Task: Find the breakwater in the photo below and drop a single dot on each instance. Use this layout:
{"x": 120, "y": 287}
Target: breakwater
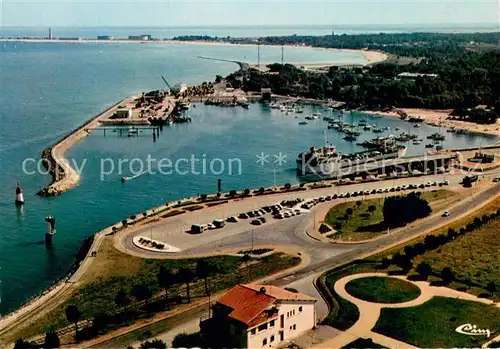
{"x": 63, "y": 175}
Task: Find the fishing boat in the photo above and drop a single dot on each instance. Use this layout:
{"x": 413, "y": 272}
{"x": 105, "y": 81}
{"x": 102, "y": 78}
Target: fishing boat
{"x": 416, "y": 125}
{"x": 436, "y": 137}
{"x": 132, "y": 133}
{"x": 302, "y": 123}
{"x": 350, "y": 138}
{"x": 429, "y": 145}
{"x": 439, "y": 147}
{"x": 417, "y": 142}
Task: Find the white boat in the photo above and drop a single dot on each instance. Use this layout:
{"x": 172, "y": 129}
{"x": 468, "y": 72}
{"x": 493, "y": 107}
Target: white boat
{"x": 328, "y": 162}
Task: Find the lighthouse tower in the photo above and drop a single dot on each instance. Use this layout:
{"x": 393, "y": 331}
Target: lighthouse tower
{"x": 19, "y": 195}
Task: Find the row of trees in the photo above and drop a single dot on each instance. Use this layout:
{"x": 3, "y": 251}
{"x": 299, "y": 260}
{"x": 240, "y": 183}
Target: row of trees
{"x": 433, "y": 242}
{"x": 166, "y": 279}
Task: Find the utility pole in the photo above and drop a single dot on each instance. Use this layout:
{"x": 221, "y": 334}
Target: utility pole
{"x": 282, "y": 54}
{"x": 258, "y": 54}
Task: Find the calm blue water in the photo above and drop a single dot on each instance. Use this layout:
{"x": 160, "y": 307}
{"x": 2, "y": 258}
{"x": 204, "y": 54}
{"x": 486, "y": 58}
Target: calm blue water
{"x": 48, "y": 89}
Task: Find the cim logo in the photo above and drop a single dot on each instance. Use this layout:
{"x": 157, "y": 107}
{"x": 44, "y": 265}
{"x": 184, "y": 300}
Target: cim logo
{"x": 472, "y": 330}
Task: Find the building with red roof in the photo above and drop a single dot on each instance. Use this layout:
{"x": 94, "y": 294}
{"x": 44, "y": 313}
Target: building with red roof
{"x": 258, "y": 316}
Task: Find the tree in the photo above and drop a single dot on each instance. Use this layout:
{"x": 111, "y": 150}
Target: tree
{"x": 372, "y": 208}
{"x": 141, "y": 293}
{"x": 100, "y": 322}
{"x": 246, "y": 192}
{"x": 122, "y": 300}
{"x": 288, "y": 186}
{"x": 349, "y": 211}
{"x": 22, "y": 344}
{"x": 424, "y": 269}
{"x": 185, "y": 277}
{"x": 447, "y": 275}
{"x": 51, "y": 340}
{"x": 165, "y": 279}
{"x": 187, "y": 340}
{"x": 153, "y": 344}
{"x": 358, "y": 204}
{"x": 491, "y": 287}
{"x": 204, "y": 270}
{"x": 261, "y": 190}
{"x": 73, "y": 315}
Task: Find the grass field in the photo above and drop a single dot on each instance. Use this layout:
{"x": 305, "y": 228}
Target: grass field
{"x": 115, "y": 270}
{"x": 380, "y": 289}
{"x": 433, "y": 324}
{"x": 363, "y": 224}
{"x": 473, "y": 257}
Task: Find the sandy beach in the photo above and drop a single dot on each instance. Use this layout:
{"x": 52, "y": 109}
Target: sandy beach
{"x": 371, "y": 57}
{"x": 439, "y": 117}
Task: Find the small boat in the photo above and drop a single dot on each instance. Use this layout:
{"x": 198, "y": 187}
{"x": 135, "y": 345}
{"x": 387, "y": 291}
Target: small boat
{"x": 397, "y": 129}
{"x": 350, "y": 138}
{"x": 132, "y": 133}
{"x": 451, "y": 130}
{"x": 124, "y": 179}
{"x": 317, "y": 114}
{"x": 416, "y": 125}
{"x": 302, "y": 123}
{"x": 429, "y": 145}
{"x": 439, "y": 147}
{"x": 367, "y": 128}
{"x": 417, "y": 142}
{"x": 299, "y": 111}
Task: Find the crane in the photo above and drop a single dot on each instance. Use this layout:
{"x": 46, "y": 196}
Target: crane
{"x": 173, "y": 91}
{"x": 166, "y": 82}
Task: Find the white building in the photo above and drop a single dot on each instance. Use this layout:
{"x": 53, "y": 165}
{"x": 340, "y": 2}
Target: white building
{"x": 259, "y": 316}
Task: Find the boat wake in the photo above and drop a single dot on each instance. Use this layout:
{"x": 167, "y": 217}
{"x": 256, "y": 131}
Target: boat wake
{"x": 125, "y": 178}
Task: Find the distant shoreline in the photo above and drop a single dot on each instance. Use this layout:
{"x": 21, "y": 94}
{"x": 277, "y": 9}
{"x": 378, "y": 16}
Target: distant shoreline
{"x": 371, "y": 57}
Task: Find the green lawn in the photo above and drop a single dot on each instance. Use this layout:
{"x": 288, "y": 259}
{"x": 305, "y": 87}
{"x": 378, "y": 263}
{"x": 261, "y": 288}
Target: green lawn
{"x": 381, "y": 289}
{"x": 343, "y": 314}
{"x": 363, "y": 224}
{"x": 433, "y": 323}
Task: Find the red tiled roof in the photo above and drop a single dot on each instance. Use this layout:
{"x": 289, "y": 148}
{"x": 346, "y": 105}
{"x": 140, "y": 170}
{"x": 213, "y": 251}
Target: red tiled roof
{"x": 249, "y": 304}
{"x": 246, "y": 303}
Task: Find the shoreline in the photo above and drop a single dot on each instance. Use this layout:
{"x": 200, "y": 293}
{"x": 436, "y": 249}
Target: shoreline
{"x": 371, "y": 57}
{"x": 438, "y": 117}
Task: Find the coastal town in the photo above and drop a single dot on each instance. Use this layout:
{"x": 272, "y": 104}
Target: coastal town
{"x": 385, "y": 237}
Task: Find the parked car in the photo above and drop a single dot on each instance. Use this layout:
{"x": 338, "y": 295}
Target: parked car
{"x": 256, "y": 222}
{"x": 262, "y": 219}
{"x": 243, "y": 215}
{"x": 446, "y": 214}
{"x": 232, "y": 219}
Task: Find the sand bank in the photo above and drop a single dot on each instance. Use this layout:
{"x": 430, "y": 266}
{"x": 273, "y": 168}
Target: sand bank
{"x": 439, "y": 117}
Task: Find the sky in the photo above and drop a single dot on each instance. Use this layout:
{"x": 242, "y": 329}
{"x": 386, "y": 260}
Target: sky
{"x": 166, "y": 13}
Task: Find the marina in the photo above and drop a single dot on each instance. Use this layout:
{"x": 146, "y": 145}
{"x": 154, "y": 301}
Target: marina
{"x": 224, "y": 133}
